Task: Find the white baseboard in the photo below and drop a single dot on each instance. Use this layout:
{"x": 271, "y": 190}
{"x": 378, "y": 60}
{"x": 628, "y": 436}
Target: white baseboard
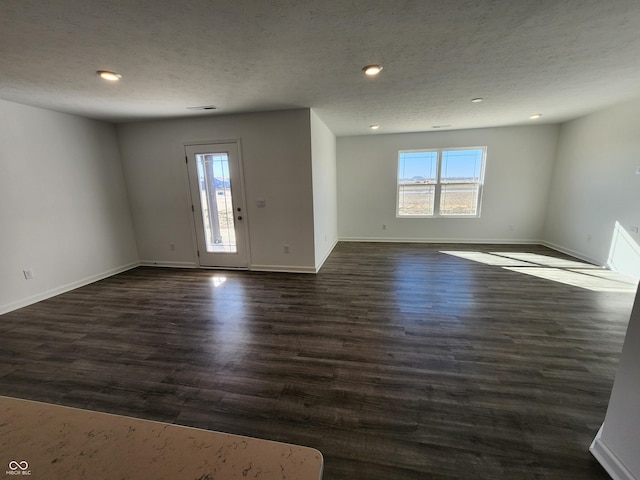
{"x": 605, "y": 457}
{"x": 324, "y": 259}
{"x": 65, "y": 288}
{"x": 153, "y": 263}
{"x": 442, "y": 240}
{"x": 256, "y": 268}
{"x": 282, "y": 269}
{"x": 573, "y": 253}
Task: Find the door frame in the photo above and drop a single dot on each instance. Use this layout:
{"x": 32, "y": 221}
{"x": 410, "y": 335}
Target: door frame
{"x": 243, "y": 195}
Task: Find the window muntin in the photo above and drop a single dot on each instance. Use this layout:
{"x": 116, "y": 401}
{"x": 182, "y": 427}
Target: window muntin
{"x": 440, "y": 182}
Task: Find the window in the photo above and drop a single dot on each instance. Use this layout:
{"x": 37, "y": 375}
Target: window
{"x": 440, "y": 182}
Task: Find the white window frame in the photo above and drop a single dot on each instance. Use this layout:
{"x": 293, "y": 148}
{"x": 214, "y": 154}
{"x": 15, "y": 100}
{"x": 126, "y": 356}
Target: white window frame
{"x": 438, "y": 184}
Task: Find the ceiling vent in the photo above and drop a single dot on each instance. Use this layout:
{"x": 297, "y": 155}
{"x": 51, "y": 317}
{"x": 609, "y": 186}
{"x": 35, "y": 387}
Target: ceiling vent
{"x": 203, "y": 107}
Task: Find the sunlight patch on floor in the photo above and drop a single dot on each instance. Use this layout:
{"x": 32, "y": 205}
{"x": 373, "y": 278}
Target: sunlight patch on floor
{"x": 218, "y": 280}
{"x": 547, "y": 261}
{"x": 582, "y": 279}
{"x": 561, "y": 270}
{"x": 489, "y": 259}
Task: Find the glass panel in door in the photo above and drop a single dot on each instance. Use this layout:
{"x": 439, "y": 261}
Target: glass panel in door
{"x": 216, "y": 202}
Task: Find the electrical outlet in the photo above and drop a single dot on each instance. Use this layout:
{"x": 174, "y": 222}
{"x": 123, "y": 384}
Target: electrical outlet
{"x": 589, "y": 237}
{"x": 285, "y": 248}
{"x": 634, "y": 230}
{"x": 28, "y": 274}
{"x": 511, "y": 227}
{"x": 172, "y": 246}
{"x": 384, "y": 227}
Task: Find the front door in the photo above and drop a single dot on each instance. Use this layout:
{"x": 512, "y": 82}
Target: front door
{"x": 217, "y": 204}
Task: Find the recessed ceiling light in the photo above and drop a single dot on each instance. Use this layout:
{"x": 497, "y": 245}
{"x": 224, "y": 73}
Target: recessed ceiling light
{"x": 110, "y": 76}
{"x": 535, "y": 116}
{"x": 372, "y": 70}
{"x": 375, "y": 126}
{"x": 477, "y": 100}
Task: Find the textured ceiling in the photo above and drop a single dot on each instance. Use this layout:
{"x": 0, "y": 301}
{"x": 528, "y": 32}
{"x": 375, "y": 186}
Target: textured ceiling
{"x": 561, "y": 58}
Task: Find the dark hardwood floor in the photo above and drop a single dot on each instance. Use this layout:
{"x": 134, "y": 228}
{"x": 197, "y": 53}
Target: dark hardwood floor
{"x": 396, "y": 361}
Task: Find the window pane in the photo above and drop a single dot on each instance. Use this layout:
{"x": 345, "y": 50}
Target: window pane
{"x": 459, "y": 199}
{"x": 461, "y": 166}
{"x": 416, "y": 199}
{"x": 417, "y": 167}
{"x": 417, "y": 175}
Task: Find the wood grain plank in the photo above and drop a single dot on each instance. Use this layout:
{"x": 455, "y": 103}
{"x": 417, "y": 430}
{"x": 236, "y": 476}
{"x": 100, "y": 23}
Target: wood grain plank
{"x": 397, "y": 361}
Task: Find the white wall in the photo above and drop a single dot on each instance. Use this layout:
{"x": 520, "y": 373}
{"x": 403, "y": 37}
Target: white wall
{"x": 325, "y": 195}
{"x": 595, "y": 185}
{"x": 518, "y": 172}
{"x": 64, "y": 211}
{"x": 616, "y": 446}
{"x": 276, "y": 158}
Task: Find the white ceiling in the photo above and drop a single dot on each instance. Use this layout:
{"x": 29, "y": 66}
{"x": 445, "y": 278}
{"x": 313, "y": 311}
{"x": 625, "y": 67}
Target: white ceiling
{"x": 561, "y": 58}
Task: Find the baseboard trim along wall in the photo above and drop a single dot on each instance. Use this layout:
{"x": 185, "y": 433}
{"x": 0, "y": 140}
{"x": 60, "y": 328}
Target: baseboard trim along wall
{"x": 282, "y": 269}
{"x": 65, "y": 288}
{"x": 573, "y": 253}
{"x": 605, "y": 457}
{"x": 256, "y": 268}
{"x": 442, "y": 240}
{"x": 324, "y": 259}
{"x": 160, "y": 263}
